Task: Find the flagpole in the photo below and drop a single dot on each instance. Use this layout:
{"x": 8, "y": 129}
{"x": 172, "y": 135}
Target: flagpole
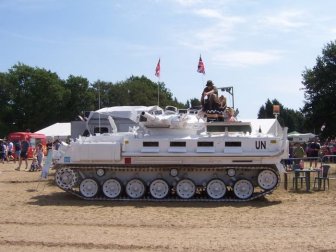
{"x": 158, "y": 92}
{"x": 99, "y": 107}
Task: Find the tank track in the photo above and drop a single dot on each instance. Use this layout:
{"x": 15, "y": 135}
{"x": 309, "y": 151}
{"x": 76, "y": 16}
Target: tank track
{"x": 174, "y": 198}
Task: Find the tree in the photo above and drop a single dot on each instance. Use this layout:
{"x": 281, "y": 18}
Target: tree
{"x": 195, "y": 103}
{"x": 36, "y": 97}
{"x": 320, "y": 92}
{"x": 33, "y": 98}
{"x": 266, "y": 111}
{"x": 78, "y": 97}
{"x": 134, "y": 91}
{"x": 290, "y": 118}
{"x": 7, "y": 116}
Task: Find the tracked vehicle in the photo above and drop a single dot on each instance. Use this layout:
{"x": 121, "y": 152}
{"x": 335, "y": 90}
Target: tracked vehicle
{"x": 173, "y": 155}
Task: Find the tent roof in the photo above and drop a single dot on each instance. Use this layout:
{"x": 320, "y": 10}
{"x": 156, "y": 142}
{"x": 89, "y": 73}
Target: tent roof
{"x": 293, "y": 132}
{"x": 266, "y": 125}
{"x": 297, "y": 134}
{"x": 57, "y": 129}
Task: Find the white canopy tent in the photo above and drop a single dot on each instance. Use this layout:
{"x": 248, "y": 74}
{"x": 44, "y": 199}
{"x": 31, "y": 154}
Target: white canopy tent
{"x": 55, "y": 131}
{"x": 268, "y": 126}
{"x": 300, "y": 137}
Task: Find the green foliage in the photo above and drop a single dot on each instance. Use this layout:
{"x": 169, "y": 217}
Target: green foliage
{"x": 320, "y": 93}
{"x": 78, "y": 97}
{"x": 195, "y": 103}
{"x": 6, "y": 104}
{"x": 34, "y": 98}
{"x": 135, "y": 91}
{"x": 320, "y": 97}
{"x": 266, "y": 111}
{"x": 288, "y": 117}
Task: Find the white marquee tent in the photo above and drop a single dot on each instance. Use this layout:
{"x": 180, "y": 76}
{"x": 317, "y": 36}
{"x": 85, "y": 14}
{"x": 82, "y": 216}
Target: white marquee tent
{"x": 300, "y": 137}
{"x": 59, "y": 131}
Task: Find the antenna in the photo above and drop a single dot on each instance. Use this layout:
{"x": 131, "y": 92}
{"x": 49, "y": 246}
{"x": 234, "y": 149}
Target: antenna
{"x": 230, "y": 91}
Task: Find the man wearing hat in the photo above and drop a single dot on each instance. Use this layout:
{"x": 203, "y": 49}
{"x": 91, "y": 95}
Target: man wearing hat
{"x": 209, "y": 99}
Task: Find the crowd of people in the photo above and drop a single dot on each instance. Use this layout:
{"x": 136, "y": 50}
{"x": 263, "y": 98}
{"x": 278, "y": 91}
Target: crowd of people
{"x": 313, "y": 152}
{"x": 8, "y": 151}
{"x": 18, "y": 152}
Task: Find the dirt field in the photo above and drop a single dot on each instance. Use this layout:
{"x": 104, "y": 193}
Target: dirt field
{"x": 38, "y": 216}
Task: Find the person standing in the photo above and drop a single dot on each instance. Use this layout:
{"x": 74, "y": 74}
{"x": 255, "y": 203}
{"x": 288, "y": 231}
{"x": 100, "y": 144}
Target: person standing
{"x": 24, "y": 154}
{"x": 298, "y": 154}
{"x": 3, "y": 151}
{"x": 39, "y": 155}
{"x": 57, "y": 144}
{"x": 17, "y": 147}
{"x": 333, "y": 151}
{"x": 314, "y": 152}
{"x": 48, "y": 161}
{"x": 10, "y": 148}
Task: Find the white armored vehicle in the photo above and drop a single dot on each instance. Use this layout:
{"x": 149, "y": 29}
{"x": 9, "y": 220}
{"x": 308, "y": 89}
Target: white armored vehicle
{"x": 153, "y": 154}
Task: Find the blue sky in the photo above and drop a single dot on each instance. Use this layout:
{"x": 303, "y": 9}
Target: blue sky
{"x": 259, "y": 47}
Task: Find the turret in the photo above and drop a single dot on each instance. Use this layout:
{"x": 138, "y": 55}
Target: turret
{"x": 171, "y": 123}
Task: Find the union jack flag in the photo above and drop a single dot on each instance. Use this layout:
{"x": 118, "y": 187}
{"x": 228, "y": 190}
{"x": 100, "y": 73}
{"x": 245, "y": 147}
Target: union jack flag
{"x": 157, "y": 69}
{"x": 200, "y": 67}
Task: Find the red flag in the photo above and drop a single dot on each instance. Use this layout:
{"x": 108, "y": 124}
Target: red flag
{"x": 157, "y": 69}
{"x": 200, "y": 67}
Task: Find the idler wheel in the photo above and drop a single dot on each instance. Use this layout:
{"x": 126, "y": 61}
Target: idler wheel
{"x": 112, "y": 188}
{"x": 185, "y": 188}
{"x": 135, "y": 189}
{"x": 267, "y": 179}
{"x": 89, "y": 188}
{"x": 65, "y": 178}
{"x": 216, "y": 189}
{"x": 243, "y": 189}
{"x": 159, "y": 189}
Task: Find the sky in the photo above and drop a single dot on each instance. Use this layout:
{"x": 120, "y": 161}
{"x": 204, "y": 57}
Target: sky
{"x": 259, "y": 47}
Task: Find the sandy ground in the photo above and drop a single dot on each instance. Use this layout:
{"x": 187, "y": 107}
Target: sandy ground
{"x": 38, "y": 216}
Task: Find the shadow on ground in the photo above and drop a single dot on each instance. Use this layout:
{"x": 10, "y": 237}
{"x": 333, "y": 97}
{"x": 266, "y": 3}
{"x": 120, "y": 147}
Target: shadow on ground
{"x": 65, "y": 199}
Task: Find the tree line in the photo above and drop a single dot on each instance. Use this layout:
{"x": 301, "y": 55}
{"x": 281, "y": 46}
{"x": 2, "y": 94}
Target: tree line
{"x": 33, "y": 98}
{"x": 318, "y": 114}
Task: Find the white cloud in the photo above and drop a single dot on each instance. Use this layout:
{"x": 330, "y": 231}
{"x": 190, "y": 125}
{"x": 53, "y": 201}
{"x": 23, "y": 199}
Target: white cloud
{"x": 333, "y": 31}
{"x": 246, "y": 58}
{"x": 227, "y": 20}
{"x": 205, "y": 39}
{"x": 188, "y": 3}
{"x": 212, "y": 34}
{"x": 209, "y": 13}
{"x": 285, "y": 20}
